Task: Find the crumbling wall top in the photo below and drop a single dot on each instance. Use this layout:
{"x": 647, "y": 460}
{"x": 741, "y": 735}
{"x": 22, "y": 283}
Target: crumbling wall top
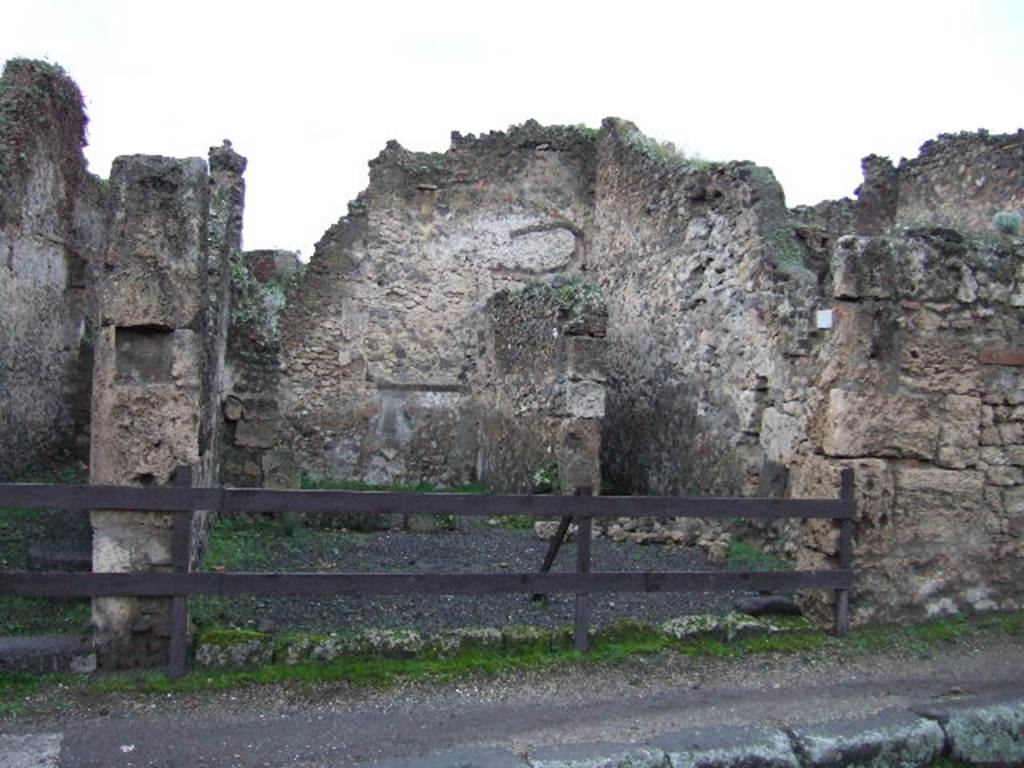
{"x": 40, "y": 107}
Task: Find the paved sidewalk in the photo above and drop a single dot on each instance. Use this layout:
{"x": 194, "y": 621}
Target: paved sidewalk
{"x": 644, "y": 710}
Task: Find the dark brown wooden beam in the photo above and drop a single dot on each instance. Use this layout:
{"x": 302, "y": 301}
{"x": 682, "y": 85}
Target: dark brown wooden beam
{"x": 244, "y": 501}
{"x": 148, "y": 584}
{"x": 847, "y": 491}
{"x": 181, "y": 556}
{"x": 584, "y": 604}
{"x": 109, "y": 497}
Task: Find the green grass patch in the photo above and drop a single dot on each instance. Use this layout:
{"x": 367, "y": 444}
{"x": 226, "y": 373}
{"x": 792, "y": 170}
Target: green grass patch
{"x": 745, "y": 556}
{"x": 19, "y": 530}
{"x": 16, "y": 687}
{"x": 612, "y": 645}
{"x": 513, "y": 522}
{"x": 42, "y": 616}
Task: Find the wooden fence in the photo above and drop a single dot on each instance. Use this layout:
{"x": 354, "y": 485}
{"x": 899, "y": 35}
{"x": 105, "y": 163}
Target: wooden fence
{"x": 183, "y": 500}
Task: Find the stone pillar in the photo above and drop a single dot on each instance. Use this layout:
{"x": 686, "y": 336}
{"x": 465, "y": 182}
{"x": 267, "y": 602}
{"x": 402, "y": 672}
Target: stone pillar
{"x": 150, "y": 374}
{"x": 227, "y": 201}
{"x": 877, "y": 197}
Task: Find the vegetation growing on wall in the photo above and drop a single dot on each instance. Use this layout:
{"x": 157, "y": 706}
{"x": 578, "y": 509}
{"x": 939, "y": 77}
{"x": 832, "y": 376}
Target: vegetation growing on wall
{"x": 258, "y": 304}
{"x": 579, "y": 298}
{"x": 663, "y": 153}
{"x": 38, "y": 99}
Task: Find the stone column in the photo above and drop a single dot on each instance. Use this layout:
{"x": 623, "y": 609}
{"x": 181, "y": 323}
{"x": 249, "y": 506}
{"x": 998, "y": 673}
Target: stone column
{"x": 227, "y": 201}
{"x": 149, "y": 379}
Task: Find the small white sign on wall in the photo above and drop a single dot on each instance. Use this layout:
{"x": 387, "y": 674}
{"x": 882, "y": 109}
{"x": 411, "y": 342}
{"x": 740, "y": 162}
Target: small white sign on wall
{"x": 824, "y": 319}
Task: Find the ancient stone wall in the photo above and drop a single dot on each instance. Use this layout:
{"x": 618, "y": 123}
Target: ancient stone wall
{"x": 162, "y": 316}
{"x": 50, "y": 232}
{"x": 542, "y": 393}
{"x": 963, "y": 180}
{"x": 252, "y": 415}
{"x": 734, "y": 346}
{"x": 381, "y": 339}
{"x": 710, "y": 307}
{"x": 906, "y": 391}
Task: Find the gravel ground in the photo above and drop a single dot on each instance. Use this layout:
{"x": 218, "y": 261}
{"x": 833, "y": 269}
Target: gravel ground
{"x": 475, "y": 546}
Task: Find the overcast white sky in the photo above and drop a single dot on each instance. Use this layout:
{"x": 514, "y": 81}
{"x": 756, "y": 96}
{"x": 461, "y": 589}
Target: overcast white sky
{"x": 310, "y": 91}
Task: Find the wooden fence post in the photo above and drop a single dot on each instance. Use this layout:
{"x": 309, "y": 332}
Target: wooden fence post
{"x": 845, "y": 552}
{"x": 584, "y": 529}
{"x": 181, "y": 555}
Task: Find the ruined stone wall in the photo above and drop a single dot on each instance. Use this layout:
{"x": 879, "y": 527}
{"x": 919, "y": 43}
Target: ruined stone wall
{"x": 381, "y": 339}
{"x": 959, "y": 180}
{"x": 50, "y": 232}
{"x": 251, "y": 409}
{"x": 162, "y": 317}
{"x": 224, "y": 246}
{"x": 542, "y": 395}
{"x": 904, "y": 391}
{"x": 709, "y": 309}
{"x": 395, "y": 364}
{"x": 963, "y": 180}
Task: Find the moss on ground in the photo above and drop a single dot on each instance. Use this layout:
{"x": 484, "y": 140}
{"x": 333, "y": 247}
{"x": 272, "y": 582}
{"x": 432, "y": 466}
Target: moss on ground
{"x": 228, "y": 637}
{"x": 746, "y": 556}
{"x": 536, "y": 649}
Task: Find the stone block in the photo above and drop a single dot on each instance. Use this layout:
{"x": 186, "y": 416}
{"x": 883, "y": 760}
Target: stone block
{"x": 887, "y": 739}
{"x": 468, "y": 757}
{"x": 280, "y": 469}
{"x": 249, "y": 649}
{"x": 599, "y": 755}
{"x": 155, "y": 262}
{"x": 257, "y": 433}
{"x": 937, "y": 511}
{"x": 988, "y": 734}
{"x": 587, "y": 358}
{"x": 579, "y": 454}
{"x": 585, "y": 399}
{"x": 940, "y": 363}
{"x": 45, "y": 654}
{"x": 863, "y": 268}
{"x": 874, "y": 424}
{"x": 728, "y": 747}
{"x": 959, "y": 432}
{"x": 233, "y": 408}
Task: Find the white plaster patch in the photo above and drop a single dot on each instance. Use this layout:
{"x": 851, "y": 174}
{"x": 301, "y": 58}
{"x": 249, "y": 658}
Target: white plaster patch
{"x": 943, "y": 607}
{"x": 514, "y": 241}
{"x": 31, "y": 750}
{"x": 442, "y": 401}
{"x": 980, "y": 598}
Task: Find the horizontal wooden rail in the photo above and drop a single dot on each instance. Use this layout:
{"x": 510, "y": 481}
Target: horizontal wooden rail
{"x": 148, "y": 584}
{"x": 245, "y": 500}
{"x": 183, "y": 501}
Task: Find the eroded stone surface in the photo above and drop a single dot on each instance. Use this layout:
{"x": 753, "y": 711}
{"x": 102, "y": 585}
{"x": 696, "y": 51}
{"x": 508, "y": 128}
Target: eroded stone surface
{"x": 602, "y": 755}
{"x": 887, "y": 740}
{"x": 728, "y": 747}
{"x": 991, "y": 735}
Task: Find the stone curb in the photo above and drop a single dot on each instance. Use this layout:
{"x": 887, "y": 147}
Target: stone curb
{"x": 978, "y": 733}
{"x": 252, "y": 648}
{"x": 43, "y": 654}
